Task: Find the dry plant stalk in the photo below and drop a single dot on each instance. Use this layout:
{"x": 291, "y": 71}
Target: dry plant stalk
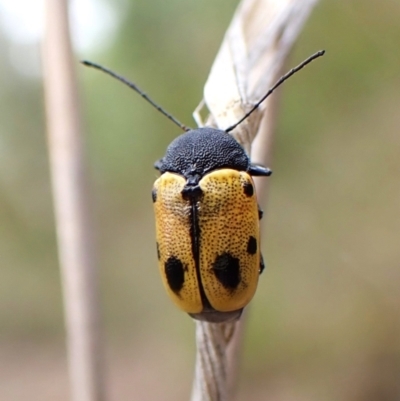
{"x": 250, "y": 60}
{"x": 72, "y": 207}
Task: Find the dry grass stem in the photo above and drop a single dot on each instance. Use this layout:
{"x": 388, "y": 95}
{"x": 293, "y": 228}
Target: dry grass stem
{"x": 72, "y": 208}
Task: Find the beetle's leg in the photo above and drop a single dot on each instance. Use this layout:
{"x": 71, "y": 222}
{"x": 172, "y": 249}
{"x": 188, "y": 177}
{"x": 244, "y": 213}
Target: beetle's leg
{"x": 257, "y": 170}
{"x": 262, "y": 265}
{"x": 260, "y": 213}
{"x": 158, "y": 165}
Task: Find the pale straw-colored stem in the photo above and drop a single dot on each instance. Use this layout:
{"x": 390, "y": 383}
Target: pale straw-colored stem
{"x": 72, "y": 208}
{"x": 219, "y": 345}
{"x": 250, "y": 60}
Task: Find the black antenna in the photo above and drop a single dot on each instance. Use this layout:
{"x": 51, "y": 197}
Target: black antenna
{"x": 278, "y": 83}
{"x": 135, "y": 88}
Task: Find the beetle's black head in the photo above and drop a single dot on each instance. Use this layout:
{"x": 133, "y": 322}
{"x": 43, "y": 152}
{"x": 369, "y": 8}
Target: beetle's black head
{"x": 202, "y": 150}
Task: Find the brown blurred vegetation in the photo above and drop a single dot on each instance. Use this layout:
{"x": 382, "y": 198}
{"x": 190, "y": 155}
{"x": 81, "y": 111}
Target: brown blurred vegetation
{"x": 325, "y": 323}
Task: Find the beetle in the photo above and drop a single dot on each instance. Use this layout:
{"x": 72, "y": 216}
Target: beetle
{"x": 207, "y": 224}
{"x": 207, "y": 217}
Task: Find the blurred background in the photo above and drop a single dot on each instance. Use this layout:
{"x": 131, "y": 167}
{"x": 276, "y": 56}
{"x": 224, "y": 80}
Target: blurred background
{"x": 325, "y": 322}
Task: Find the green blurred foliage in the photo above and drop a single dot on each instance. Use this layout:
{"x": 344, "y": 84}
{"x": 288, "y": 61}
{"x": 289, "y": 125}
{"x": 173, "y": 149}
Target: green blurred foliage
{"x": 325, "y": 321}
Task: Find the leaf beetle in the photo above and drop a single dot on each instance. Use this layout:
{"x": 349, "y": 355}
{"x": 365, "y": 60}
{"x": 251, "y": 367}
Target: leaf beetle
{"x": 207, "y": 224}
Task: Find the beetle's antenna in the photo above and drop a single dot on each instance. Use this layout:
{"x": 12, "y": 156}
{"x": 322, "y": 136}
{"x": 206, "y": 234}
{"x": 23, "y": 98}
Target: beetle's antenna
{"x": 138, "y": 90}
{"x": 278, "y": 83}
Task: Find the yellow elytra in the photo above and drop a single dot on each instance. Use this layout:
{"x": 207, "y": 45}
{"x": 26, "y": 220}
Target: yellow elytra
{"x": 207, "y": 224}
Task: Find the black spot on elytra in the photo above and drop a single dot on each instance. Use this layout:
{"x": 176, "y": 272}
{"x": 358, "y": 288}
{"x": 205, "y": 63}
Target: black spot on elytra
{"x": 248, "y": 188}
{"x": 158, "y": 251}
{"x": 175, "y": 273}
{"x": 227, "y": 270}
{"x": 251, "y": 245}
{"x": 154, "y": 195}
